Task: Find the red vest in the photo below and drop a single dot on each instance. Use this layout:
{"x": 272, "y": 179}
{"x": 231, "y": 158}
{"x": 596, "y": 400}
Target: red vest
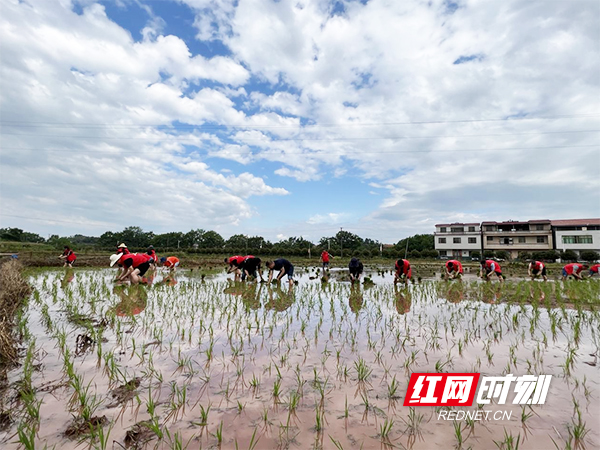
{"x": 573, "y": 267}
{"x": 457, "y": 266}
{"x": 488, "y": 266}
{"x": 537, "y": 266}
{"x": 137, "y": 258}
{"x": 405, "y": 267}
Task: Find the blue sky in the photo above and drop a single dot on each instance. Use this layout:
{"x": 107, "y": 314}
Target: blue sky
{"x": 296, "y": 118}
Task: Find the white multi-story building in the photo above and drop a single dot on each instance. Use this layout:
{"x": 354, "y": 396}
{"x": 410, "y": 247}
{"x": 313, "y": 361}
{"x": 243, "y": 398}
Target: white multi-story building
{"x": 577, "y": 235}
{"x": 517, "y": 237}
{"x": 457, "y": 240}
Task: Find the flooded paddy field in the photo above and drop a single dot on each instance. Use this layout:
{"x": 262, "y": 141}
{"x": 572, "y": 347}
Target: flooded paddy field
{"x": 195, "y": 362}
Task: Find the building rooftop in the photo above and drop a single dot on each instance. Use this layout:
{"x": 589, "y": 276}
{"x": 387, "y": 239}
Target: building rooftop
{"x": 516, "y": 222}
{"x": 575, "y": 222}
{"x": 457, "y": 223}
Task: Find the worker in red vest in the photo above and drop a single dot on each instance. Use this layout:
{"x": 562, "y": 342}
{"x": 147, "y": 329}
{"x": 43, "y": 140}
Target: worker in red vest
{"x": 537, "y": 268}
{"x": 68, "y": 256}
{"x": 235, "y": 263}
{"x": 491, "y": 268}
{"x": 573, "y": 269}
{"x": 135, "y": 266}
{"x": 325, "y": 256}
{"x": 454, "y": 269}
{"x": 403, "y": 271}
{"x": 594, "y": 269}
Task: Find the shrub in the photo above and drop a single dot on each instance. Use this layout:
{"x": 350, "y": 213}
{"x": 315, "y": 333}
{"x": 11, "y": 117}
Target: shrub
{"x": 590, "y": 255}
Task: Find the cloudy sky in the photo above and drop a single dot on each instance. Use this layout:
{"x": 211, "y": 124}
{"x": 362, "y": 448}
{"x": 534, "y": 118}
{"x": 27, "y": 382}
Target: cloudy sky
{"x": 288, "y": 118}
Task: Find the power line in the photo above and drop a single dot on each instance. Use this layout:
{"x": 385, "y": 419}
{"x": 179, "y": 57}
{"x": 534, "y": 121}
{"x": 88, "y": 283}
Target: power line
{"x": 44, "y": 220}
{"x": 16, "y": 123}
{"x": 310, "y": 152}
{"x": 195, "y": 138}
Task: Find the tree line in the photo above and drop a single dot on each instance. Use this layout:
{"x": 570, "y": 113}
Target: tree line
{"x": 343, "y": 243}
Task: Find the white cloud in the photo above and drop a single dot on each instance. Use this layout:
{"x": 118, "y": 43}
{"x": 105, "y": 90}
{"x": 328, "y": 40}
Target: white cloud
{"x": 341, "y": 94}
{"x": 330, "y": 218}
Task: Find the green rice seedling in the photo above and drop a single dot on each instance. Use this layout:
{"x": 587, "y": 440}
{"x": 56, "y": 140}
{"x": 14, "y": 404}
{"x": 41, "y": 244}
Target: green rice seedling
{"x": 277, "y": 388}
{"x": 392, "y": 388}
{"x": 525, "y": 416}
{"x": 254, "y": 382}
{"x": 26, "y": 433}
{"x": 319, "y": 419}
{"x": 336, "y": 443}
{"x": 385, "y": 429}
{"x": 103, "y": 435}
{"x": 204, "y": 415}
{"x": 253, "y": 441}
{"x": 458, "y": 434}
{"x": 363, "y": 372}
{"x": 346, "y": 410}
{"x": 510, "y": 442}
{"x": 219, "y": 434}
{"x": 578, "y": 431}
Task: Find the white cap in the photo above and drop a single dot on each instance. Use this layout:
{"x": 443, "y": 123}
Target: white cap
{"x": 114, "y": 258}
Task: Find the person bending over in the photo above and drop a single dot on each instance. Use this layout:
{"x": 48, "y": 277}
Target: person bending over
{"x": 356, "y": 269}
{"x": 536, "y": 269}
{"x": 454, "y": 269}
{"x": 285, "y": 268}
{"x": 403, "y": 271}
{"x": 251, "y": 267}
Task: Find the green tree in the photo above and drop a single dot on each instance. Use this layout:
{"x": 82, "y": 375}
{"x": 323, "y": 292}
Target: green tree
{"x": 109, "y": 239}
{"x": 418, "y": 242}
{"x": 237, "y": 241}
{"x": 135, "y": 237}
{"x": 58, "y": 242}
{"x": 568, "y": 255}
{"x": 590, "y": 256}
{"x": 11, "y": 234}
{"x": 173, "y": 239}
{"x": 212, "y": 239}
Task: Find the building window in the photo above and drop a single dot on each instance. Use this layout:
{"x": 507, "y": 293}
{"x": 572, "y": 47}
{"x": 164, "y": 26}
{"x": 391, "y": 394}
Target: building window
{"x": 489, "y": 238}
{"x": 441, "y": 240}
{"x": 442, "y": 229}
{"x": 456, "y": 240}
{"x": 521, "y": 239}
{"x": 443, "y": 253}
{"x": 472, "y": 240}
{"x": 489, "y": 228}
{"x": 577, "y": 239}
{"x": 539, "y": 227}
{"x": 471, "y": 229}
{"x": 457, "y": 229}
{"x": 541, "y": 239}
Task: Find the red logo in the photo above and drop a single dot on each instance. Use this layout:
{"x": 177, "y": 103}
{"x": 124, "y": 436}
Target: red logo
{"x": 441, "y": 389}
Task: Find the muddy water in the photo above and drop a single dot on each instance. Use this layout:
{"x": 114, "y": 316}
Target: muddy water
{"x": 187, "y": 345}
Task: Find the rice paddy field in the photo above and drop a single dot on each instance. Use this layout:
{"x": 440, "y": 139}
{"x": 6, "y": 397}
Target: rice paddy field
{"x": 206, "y": 362}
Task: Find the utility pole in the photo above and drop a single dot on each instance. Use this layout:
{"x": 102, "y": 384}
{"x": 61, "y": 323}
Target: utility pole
{"x": 341, "y": 243}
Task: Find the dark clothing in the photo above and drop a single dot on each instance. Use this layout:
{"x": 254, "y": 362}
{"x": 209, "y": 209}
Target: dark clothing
{"x": 355, "y": 266}
{"x": 251, "y": 265}
{"x": 282, "y": 263}
{"x": 143, "y": 268}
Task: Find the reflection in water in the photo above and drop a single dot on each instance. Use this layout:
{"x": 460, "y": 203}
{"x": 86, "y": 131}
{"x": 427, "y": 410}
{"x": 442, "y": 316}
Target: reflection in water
{"x": 455, "y": 292}
{"x": 280, "y": 300}
{"x": 133, "y": 300}
{"x": 403, "y": 299}
{"x": 491, "y": 293}
{"x": 251, "y": 296}
{"x": 169, "y": 280}
{"x": 69, "y": 276}
{"x": 234, "y": 287}
{"x": 356, "y": 299}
